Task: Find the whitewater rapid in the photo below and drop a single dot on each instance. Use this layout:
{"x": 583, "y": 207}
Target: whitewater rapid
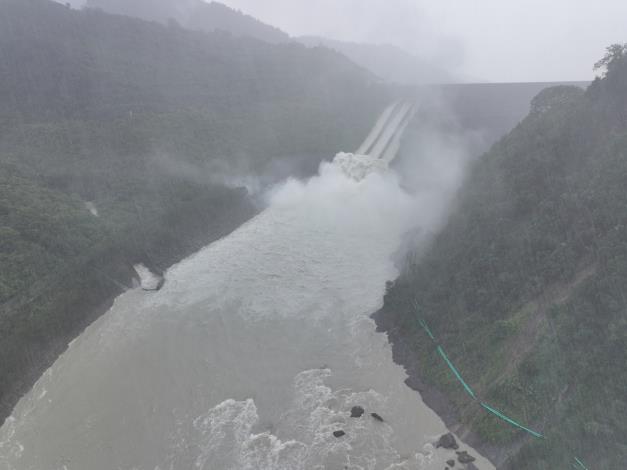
{"x": 251, "y": 354}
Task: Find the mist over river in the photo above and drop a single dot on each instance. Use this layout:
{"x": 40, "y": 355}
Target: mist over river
{"x": 250, "y": 356}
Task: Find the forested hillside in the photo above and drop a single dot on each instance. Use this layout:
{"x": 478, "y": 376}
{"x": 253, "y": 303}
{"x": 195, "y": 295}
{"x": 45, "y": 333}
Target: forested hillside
{"x": 217, "y": 16}
{"x": 525, "y": 286}
{"x": 491, "y": 109}
{"x": 153, "y": 128}
{"x": 386, "y": 61}
{"x": 195, "y": 14}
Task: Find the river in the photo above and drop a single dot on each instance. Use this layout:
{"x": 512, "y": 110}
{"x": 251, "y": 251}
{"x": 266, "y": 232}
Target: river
{"x": 250, "y": 356}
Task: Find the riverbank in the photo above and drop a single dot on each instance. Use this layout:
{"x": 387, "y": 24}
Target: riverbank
{"x": 55, "y": 310}
{"x": 252, "y": 355}
{"x": 434, "y": 397}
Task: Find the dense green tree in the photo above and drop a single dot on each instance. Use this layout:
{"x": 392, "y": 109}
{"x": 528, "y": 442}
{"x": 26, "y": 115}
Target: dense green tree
{"x": 148, "y": 123}
{"x": 613, "y": 56}
{"x": 525, "y": 284}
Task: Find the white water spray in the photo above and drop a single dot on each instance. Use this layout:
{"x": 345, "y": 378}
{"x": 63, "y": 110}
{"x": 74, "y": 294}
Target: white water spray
{"x": 252, "y": 353}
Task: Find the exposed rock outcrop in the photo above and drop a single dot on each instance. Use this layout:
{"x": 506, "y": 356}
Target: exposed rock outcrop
{"x": 357, "y": 412}
{"x": 447, "y": 441}
{"x": 376, "y": 417}
{"x": 465, "y": 457}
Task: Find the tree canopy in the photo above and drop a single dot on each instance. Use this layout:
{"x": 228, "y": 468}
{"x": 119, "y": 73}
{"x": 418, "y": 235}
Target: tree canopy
{"x": 613, "y": 55}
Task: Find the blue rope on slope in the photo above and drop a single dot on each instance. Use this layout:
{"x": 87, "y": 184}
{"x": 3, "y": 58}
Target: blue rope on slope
{"x": 456, "y": 372}
{"x": 496, "y": 412}
{"x": 581, "y": 465}
{"x": 578, "y": 463}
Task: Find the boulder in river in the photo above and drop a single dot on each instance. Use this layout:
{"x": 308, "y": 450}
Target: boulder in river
{"x": 339, "y": 433}
{"x": 464, "y": 457}
{"x": 357, "y": 412}
{"x": 447, "y": 441}
{"x": 450, "y": 463}
{"x": 148, "y": 280}
{"x": 377, "y": 417}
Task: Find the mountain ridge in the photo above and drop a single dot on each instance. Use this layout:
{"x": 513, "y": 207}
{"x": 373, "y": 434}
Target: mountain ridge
{"x": 195, "y": 15}
{"x": 387, "y": 61}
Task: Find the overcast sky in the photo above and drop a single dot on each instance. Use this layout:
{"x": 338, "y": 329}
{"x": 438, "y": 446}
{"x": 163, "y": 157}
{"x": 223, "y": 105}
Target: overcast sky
{"x": 487, "y": 40}
{"x": 494, "y": 40}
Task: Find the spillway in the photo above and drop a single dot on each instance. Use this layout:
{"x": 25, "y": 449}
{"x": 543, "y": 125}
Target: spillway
{"x": 251, "y": 355}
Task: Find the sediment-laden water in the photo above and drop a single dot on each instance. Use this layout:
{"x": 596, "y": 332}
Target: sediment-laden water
{"x": 249, "y": 357}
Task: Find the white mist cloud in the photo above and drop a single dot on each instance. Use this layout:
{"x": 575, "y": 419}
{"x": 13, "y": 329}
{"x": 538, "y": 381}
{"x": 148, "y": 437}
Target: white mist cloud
{"x": 380, "y": 203}
{"x": 495, "y": 40}
{"x": 485, "y": 40}
{"x": 404, "y": 23}
{"x": 375, "y": 207}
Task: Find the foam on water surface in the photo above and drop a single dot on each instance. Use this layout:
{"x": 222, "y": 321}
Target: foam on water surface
{"x": 252, "y": 353}
{"x": 358, "y": 166}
